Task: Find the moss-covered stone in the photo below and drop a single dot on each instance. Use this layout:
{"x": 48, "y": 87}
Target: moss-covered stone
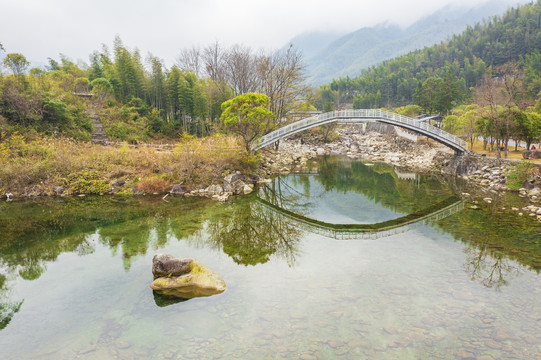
{"x": 200, "y": 281}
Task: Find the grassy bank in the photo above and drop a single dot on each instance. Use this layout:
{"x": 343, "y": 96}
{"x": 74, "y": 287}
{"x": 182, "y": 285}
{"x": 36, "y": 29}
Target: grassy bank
{"x": 514, "y": 155}
{"x": 45, "y": 166}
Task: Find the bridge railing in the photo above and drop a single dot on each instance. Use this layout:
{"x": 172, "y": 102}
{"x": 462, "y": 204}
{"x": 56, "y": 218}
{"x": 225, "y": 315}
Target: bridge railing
{"x": 363, "y": 114}
{"x": 423, "y": 125}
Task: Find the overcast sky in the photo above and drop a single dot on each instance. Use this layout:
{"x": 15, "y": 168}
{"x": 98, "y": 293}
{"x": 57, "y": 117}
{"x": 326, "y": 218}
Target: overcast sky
{"x": 44, "y": 28}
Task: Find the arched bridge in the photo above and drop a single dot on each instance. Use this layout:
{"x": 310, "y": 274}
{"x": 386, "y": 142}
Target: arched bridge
{"x": 434, "y": 213}
{"x": 365, "y": 115}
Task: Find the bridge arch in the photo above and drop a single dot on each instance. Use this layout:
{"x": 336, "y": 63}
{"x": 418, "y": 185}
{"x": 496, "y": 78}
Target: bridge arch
{"x": 361, "y": 116}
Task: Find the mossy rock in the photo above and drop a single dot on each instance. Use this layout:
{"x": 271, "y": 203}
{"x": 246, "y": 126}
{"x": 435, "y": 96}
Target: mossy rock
{"x": 198, "y": 282}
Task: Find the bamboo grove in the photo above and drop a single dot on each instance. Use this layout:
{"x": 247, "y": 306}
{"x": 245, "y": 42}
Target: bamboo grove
{"x": 139, "y": 98}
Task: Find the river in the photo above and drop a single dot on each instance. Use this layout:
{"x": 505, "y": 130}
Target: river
{"x": 356, "y": 260}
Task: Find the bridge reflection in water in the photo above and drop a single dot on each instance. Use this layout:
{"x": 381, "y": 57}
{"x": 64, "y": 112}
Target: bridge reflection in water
{"x": 437, "y": 212}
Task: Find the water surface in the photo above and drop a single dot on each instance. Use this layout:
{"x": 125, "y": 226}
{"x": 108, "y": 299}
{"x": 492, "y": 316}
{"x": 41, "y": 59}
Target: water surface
{"x": 74, "y": 274}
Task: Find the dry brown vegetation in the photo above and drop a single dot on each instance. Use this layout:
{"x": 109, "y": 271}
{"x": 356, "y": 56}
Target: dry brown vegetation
{"x": 36, "y": 166}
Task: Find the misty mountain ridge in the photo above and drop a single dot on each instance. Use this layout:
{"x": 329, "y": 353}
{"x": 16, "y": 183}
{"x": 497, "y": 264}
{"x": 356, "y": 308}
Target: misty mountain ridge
{"x": 331, "y": 55}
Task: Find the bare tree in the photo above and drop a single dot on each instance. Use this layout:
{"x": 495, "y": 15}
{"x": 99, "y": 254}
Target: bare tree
{"x": 281, "y": 77}
{"x": 190, "y": 60}
{"x": 489, "y": 96}
{"x": 213, "y": 60}
{"x": 240, "y": 70}
{"x": 504, "y": 98}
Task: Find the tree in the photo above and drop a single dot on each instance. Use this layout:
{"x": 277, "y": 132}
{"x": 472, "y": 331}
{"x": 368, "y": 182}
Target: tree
{"x": 102, "y": 88}
{"x": 281, "y": 77}
{"x": 529, "y": 127}
{"x": 17, "y": 63}
{"x": 189, "y": 60}
{"x": 489, "y": 95}
{"x": 241, "y": 70}
{"x": 449, "y": 92}
{"x": 426, "y": 94}
{"x": 247, "y": 115}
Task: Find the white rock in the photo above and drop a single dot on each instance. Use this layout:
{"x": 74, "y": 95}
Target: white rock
{"x": 534, "y": 192}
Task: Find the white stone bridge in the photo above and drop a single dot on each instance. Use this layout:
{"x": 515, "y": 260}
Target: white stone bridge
{"x": 361, "y": 116}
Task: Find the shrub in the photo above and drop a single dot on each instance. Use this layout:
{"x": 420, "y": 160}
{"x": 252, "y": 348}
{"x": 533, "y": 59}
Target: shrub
{"x": 250, "y": 161}
{"x": 154, "y": 184}
{"x": 87, "y": 182}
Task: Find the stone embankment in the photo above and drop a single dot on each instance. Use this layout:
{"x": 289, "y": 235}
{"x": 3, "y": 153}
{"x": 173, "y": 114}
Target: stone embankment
{"x": 234, "y": 184}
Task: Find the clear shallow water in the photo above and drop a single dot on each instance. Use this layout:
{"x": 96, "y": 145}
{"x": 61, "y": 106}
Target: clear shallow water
{"x": 464, "y": 287}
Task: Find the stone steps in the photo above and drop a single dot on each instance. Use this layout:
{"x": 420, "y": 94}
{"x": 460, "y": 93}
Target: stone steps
{"x": 98, "y": 132}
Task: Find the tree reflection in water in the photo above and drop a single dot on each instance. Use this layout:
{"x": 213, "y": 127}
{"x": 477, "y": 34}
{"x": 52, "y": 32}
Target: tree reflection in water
{"x": 250, "y": 233}
{"x": 493, "y": 270}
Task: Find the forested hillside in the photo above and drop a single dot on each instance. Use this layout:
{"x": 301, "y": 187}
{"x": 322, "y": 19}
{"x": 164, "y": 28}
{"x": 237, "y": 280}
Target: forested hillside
{"x": 441, "y": 76}
{"x": 349, "y": 54}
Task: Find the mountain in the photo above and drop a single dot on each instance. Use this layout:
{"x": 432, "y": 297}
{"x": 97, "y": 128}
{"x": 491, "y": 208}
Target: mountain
{"x": 312, "y": 43}
{"x": 502, "y": 46}
{"x": 330, "y": 56}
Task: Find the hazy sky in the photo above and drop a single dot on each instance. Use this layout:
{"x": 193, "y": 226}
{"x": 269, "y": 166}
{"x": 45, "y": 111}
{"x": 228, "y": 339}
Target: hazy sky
{"x": 44, "y": 28}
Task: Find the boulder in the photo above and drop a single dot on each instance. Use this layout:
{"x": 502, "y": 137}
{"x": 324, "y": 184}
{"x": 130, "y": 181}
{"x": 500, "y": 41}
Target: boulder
{"x": 168, "y": 265}
{"x": 233, "y": 183}
{"x": 232, "y": 178}
{"x": 236, "y": 187}
{"x": 119, "y": 183}
{"x": 215, "y": 190}
{"x": 178, "y": 189}
{"x": 532, "y": 154}
{"x": 534, "y": 192}
{"x": 198, "y": 281}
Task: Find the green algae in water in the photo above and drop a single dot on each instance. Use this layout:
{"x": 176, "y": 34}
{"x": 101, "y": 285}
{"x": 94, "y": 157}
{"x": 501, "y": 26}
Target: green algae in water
{"x": 464, "y": 286}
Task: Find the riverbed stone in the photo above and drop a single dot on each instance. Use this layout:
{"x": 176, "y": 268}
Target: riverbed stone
{"x": 198, "y": 281}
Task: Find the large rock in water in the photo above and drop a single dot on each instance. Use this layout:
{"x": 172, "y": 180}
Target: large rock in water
{"x": 188, "y": 278}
